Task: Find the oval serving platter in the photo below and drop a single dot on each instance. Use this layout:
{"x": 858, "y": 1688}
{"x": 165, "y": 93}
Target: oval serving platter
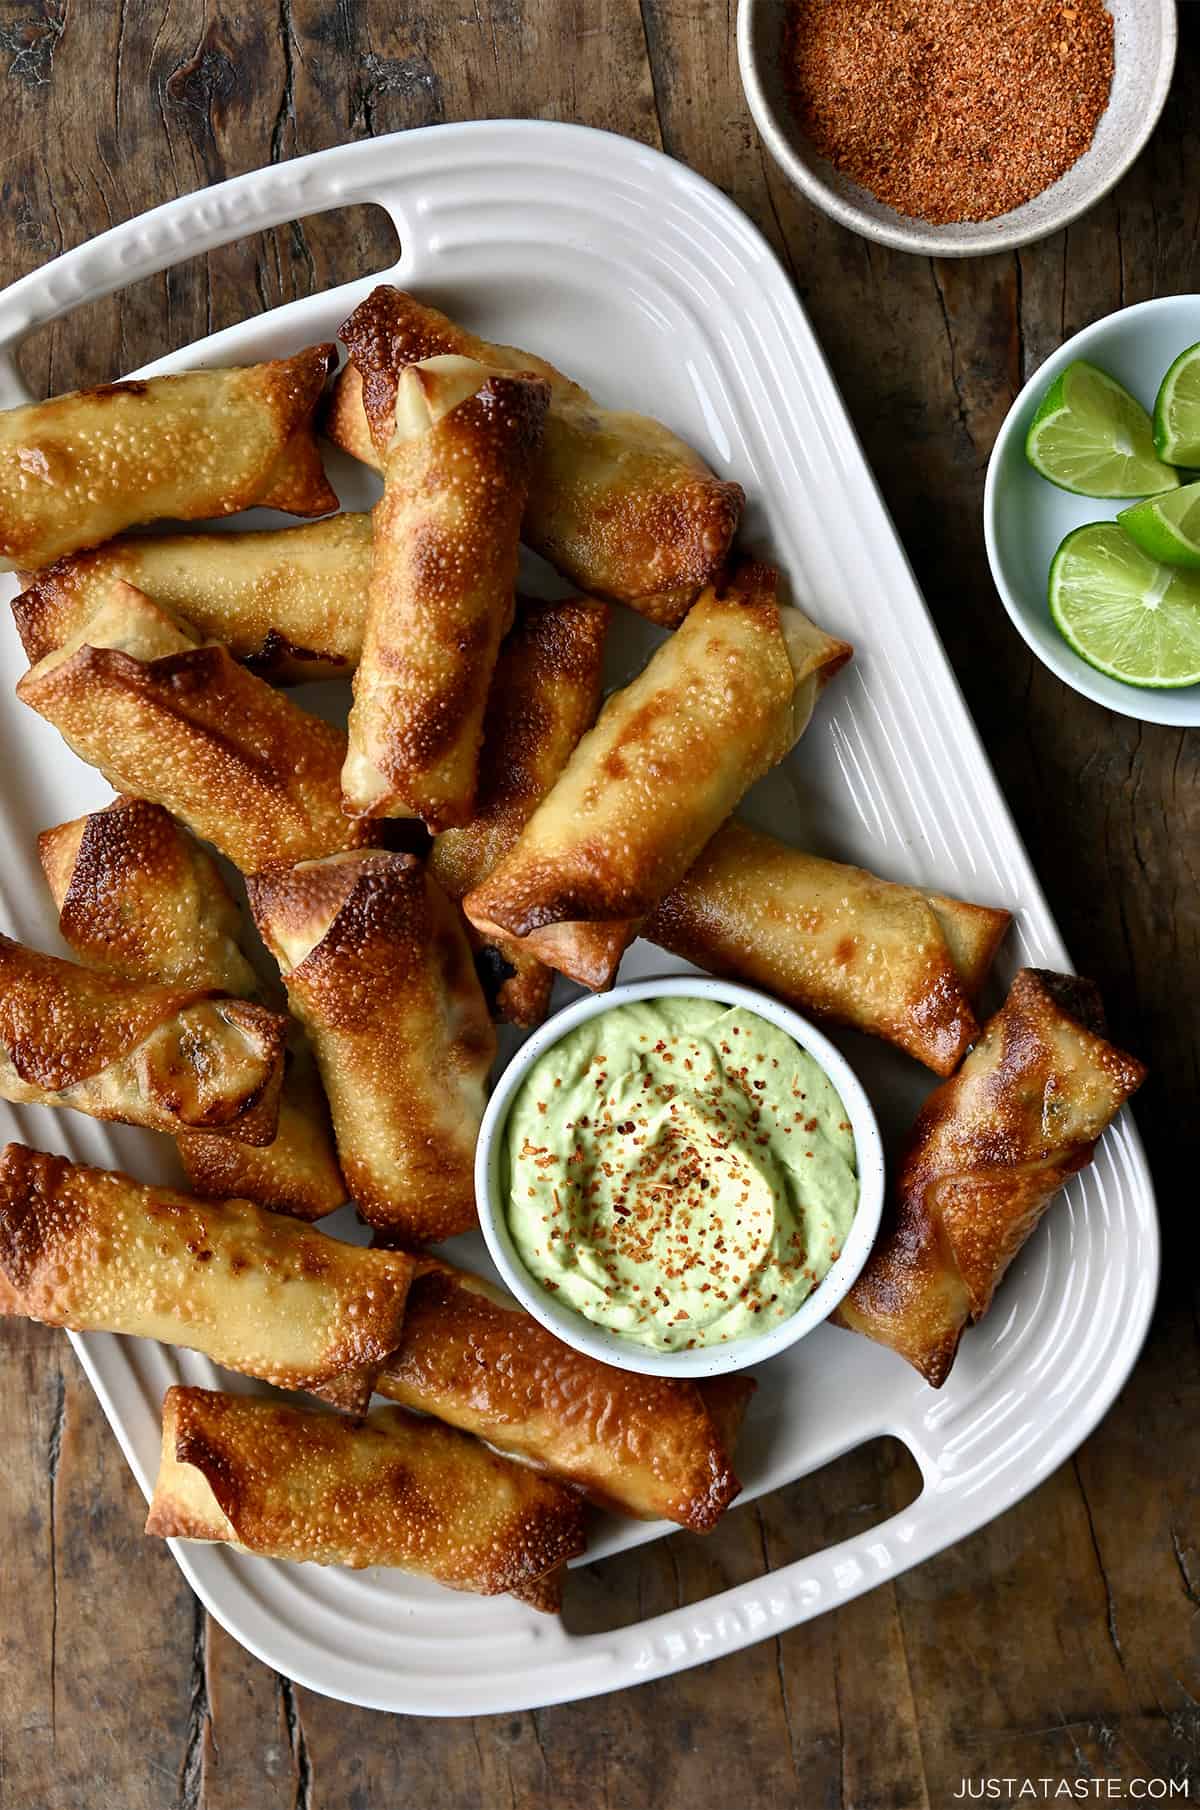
{"x": 646, "y": 284}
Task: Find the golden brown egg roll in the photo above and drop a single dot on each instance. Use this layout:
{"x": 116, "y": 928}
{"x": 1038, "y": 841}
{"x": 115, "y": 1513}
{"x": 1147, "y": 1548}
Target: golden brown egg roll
{"x": 165, "y": 1057}
{"x": 443, "y": 572}
{"x": 95, "y": 1251}
{"x": 288, "y": 602}
{"x": 184, "y": 725}
{"x": 138, "y": 896}
{"x": 545, "y": 693}
{"x": 989, "y": 1151}
{"x": 618, "y": 503}
{"x": 718, "y": 704}
{"x": 78, "y": 469}
{"x": 644, "y": 1445}
{"x": 831, "y": 940}
{"x": 293, "y": 1483}
{"x": 379, "y": 973}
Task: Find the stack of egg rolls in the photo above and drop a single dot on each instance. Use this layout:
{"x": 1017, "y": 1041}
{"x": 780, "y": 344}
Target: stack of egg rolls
{"x": 558, "y": 838}
{"x": 138, "y": 897}
{"x": 95, "y": 1251}
{"x": 719, "y": 703}
{"x": 166, "y": 717}
{"x": 617, "y": 502}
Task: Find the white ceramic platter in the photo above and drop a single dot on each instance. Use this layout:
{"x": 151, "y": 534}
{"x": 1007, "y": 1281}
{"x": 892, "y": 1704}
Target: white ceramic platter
{"x": 650, "y": 287}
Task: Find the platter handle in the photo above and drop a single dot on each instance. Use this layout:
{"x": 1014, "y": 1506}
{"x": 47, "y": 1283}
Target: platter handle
{"x": 192, "y": 225}
{"x": 768, "y": 1605}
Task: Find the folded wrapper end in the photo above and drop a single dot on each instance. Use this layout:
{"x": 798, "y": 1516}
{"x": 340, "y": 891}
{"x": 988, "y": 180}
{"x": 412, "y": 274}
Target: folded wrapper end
{"x": 169, "y": 1058}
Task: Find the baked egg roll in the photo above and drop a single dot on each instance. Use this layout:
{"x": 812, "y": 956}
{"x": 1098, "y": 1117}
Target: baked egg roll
{"x": 989, "y": 1151}
{"x": 720, "y": 702}
{"x": 288, "y": 602}
{"x": 95, "y": 1251}
{"x": 443, "y": 572}
{"x": 294, "y": 1483}
{"x": 379, "y": 973}
{"x": 169, "y": 1058}
{"x": 167, "y": 718}
{"x": 831, "y": 940}
{"x": 644, "y": 1445}
{"x": 618, "y": 503}
{"x": 79, "y": 468}
{"x": 138, "y": 896}
{"x": 545, "y": 693}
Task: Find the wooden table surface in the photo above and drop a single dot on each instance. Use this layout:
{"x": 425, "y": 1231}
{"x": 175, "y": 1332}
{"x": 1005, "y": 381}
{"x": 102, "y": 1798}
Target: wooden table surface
{"x": 1062, "y": 1640}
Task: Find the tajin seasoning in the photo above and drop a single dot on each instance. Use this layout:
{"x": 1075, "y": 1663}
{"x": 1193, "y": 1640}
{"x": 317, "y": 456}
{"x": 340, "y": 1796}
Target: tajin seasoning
{"x": 949, "y": 109}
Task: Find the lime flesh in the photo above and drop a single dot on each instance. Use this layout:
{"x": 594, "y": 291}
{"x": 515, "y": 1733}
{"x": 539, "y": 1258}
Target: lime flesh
{"x": 1090, "y": 436}
{"x": 1167, "y": 527}
{"x": 1126, "y": 614}
{"x": 1177, "y": 411}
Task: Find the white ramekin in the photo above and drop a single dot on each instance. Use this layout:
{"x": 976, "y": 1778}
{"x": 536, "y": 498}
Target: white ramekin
{"x": 612, "y": 1347}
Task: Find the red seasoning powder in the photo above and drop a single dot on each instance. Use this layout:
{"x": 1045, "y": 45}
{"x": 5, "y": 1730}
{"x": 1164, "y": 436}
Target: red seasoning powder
{"x": 949, "y": 109}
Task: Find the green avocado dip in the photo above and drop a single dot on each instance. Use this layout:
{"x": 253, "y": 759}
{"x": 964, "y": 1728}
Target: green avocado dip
{"x": 679, "y": 1171}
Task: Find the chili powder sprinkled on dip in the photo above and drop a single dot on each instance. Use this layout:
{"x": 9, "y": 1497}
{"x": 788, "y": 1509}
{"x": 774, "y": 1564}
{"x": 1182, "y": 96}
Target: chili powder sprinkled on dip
{"x": 949, "y": 110}
{"x": 679, "y": 1171}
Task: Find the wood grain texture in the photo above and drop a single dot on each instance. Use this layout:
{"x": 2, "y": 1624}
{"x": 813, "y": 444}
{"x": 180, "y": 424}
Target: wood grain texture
{"x": 1062, "y": 1639}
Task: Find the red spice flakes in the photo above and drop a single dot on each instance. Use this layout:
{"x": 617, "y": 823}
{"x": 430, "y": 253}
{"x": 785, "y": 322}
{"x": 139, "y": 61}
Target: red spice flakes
{"x": 949, "y": 109}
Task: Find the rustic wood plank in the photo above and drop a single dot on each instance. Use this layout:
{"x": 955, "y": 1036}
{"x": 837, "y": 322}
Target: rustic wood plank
{"x": 250, "y": 1747}
{"x": 96, "y": 1676}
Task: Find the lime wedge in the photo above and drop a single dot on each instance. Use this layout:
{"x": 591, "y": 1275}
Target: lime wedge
{"x": 1177, "y": 411}
{"x": 1125, "y": 614}
{"x": 1090, "y": 436}
{"x": 1167, "y": 527}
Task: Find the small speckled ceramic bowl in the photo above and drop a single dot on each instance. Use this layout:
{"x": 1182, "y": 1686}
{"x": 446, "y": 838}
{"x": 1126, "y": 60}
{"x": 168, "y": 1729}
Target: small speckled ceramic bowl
{"x": 612, "y": 1347}
{"x": 1144, "y": 33}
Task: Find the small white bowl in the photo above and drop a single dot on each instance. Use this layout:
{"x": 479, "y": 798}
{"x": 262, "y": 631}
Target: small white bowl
{"x": 1025, "y": 517}
{"x": 611, "y": 1347}
{"x": 1144, "y": 43}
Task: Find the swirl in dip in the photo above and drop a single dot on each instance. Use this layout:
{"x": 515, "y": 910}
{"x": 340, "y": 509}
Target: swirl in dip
{"x": 679, "y": 1171}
